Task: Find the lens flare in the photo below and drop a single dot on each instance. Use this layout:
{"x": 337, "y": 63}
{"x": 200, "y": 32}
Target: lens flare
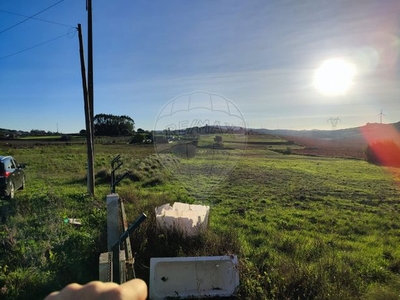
{"x": 384, "y": 143}
{"x": 334, "y": 77}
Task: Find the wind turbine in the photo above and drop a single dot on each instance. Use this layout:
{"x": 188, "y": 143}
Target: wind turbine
{"x": 380, "y": 116}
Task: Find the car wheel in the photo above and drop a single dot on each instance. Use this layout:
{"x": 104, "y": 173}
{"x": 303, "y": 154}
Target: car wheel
{"x": 12, "y": 191}
{"x": 23, "y": 183}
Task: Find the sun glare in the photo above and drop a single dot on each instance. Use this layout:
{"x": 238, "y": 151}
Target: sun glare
{"x": 334, "y": 77}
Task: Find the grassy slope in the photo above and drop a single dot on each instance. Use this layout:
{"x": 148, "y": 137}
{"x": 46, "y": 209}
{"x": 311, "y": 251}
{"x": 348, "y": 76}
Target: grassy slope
{"x": 324, "y": 228}
{"x": 303, "y": 227}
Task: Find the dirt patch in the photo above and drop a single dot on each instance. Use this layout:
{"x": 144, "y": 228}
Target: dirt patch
{"x": 346, "y": 148}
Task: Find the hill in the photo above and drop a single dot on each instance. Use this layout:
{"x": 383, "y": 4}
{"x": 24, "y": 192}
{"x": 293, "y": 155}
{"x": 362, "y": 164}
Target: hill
{"x": 370, "y": 131}
{"x": 349, "y": 143}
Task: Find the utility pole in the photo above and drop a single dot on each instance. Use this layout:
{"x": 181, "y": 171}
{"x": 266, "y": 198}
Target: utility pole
{"x": 88, "y": 119}
{"x": 90, "y": 59}
{"x": 90, "y": 82}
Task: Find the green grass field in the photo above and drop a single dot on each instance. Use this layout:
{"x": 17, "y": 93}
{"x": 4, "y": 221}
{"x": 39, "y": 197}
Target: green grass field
{"x": 303, "y": 227}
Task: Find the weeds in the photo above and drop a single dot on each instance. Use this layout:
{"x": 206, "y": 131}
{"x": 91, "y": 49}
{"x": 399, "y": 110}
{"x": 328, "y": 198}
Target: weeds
{"x": 303, "y": 228}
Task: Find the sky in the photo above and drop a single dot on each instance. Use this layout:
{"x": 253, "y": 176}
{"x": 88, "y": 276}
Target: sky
{"x": 260, "y": 56}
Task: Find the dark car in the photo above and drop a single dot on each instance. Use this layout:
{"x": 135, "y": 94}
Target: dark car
{"x": 12, "y": 176}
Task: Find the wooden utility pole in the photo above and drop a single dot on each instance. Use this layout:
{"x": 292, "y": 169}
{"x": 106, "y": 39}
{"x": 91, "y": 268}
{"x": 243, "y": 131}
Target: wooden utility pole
{"x": 88, "y": 119}
{"x": 90, "y": 59}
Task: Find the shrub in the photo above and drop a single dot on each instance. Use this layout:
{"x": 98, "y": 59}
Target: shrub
{"x": 288, "y": 151}
{"x": 137, "y": 139}
{"x": 103, "y": 176}
{"x": 65, "y": 138}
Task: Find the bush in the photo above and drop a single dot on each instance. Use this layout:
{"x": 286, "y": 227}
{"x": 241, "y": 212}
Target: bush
{"x": 137, "y": 139}
{"x": 103, "y": 176}
{"x": 65, "y": 138}
{"x": 383, "y": 153}
{"x": 287, "y": 151}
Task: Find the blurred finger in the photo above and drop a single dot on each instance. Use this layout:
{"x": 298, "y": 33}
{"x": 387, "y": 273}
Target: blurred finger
{"x": 135, "y": 289}
{"x": 66, "y": 293}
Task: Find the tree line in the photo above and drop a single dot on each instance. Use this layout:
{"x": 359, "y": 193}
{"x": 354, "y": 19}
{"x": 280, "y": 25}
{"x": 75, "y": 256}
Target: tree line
{"x": 111, "y": 125}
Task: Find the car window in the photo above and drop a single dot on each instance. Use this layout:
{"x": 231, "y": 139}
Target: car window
{"x": 7, "y": 164}
{"x": 13, "y": 164}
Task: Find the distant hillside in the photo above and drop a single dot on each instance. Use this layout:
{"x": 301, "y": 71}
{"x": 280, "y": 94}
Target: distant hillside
{"x": 371, "y": 131}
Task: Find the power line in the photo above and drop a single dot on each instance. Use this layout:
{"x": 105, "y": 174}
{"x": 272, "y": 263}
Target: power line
{"x": 35, "y": 46}
{"x": 28, "y": 18}
{"x": 33, "y": 18}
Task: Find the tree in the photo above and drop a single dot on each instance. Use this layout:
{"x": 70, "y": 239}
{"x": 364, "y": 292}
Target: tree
{"x": 110, "y": 125}
{"x": 137, "y": 138}
{"x": 37, "y": 132}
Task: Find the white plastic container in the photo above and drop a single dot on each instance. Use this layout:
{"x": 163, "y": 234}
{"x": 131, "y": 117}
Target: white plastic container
{"x": 193, "y": 277}
{"x": 188, "y": 218}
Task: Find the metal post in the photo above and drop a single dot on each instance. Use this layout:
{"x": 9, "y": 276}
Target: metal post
{"x": 116, "y": 247}
{"x": 130, "y": 272}
{"x": 112, "y": 220}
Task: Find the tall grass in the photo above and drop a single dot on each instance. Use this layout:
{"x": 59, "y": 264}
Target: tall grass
{"x": 302, "y": 227}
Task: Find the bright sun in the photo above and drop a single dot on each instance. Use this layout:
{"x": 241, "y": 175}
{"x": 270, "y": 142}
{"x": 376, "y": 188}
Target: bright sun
{"x": 334, "y": 77}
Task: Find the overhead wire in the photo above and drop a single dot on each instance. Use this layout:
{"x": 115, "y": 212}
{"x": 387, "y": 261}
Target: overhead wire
{"x": 37, "y": 45}
{"x": 30, "y": 17}
{"x": 37, "y": 19}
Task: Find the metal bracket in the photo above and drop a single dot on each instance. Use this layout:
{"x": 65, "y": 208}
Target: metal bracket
{"x": 115, "y": 165}
{"x": 116, "y": 247}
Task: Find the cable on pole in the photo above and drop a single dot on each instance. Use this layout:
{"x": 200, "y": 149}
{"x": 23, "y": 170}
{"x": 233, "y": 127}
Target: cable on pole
{"x": 31, "y": 17}
{"x": 38, "y": 45}
{"x": 37, "y": 19}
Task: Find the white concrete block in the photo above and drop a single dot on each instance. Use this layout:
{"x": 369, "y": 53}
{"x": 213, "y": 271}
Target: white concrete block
{"x": 193, "y": 277}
